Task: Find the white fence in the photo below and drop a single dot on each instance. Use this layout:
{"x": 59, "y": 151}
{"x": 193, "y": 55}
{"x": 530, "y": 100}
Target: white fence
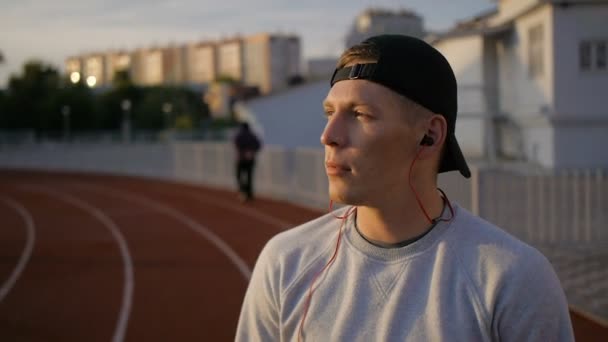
{"x": 541, "y": 208}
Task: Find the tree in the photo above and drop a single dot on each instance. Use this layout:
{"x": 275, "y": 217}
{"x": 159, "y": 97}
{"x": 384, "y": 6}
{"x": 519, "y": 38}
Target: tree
{"x": 110, "y": 102}
{"x": 29, "y": 96}
{"x": 170, "y": 107}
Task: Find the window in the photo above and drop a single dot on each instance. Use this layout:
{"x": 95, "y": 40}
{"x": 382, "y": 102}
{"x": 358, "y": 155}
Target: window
{"x": 592, "y": 55}
{"x": 535, "y": 51}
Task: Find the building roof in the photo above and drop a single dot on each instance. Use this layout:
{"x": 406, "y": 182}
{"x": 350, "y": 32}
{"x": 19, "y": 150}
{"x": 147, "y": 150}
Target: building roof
{"x": 480, "y": 24}
{"x": 292, "y": 118}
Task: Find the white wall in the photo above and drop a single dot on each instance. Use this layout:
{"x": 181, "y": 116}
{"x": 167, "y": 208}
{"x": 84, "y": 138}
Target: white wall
{"x": 466, "y": 56}
{"x": 581, "y": 144}
{"x": 293, "y": 118}
{"x": 520, "y": 93}
{"x": 539, "y": 146}
{"x": 579, "y": 93}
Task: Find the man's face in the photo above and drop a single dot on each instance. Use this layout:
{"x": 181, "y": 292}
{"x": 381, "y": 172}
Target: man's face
{"x": 369, "y": 143}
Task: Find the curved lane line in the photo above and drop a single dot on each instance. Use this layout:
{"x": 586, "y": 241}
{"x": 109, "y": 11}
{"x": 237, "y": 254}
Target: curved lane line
{"x": 27, "y": 250}
{"x": 129, "y": 283}
{"x": 208, "y": 234}
{"x": 271, "y": 220}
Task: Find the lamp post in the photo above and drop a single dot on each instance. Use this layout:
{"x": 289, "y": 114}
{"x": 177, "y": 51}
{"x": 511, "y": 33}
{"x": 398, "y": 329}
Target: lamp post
{"x": 167, "y": 108}
{"x": 126, "y": 120}
{"x": 65, "y": 111}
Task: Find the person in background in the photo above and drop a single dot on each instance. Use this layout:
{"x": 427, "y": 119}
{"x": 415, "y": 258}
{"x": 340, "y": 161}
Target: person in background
{"x": 247, "y": 146}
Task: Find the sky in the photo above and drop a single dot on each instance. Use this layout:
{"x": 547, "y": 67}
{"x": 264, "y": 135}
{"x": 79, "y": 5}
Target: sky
{"x": 53, "y": 30}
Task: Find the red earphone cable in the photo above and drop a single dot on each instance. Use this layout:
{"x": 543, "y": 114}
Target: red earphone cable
{"x": 326, "y": 267}
{"x": 414, "y": 190}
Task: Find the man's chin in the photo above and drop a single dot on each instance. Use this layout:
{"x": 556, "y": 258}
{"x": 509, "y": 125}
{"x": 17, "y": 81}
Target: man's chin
{"x": 342, "y": 197}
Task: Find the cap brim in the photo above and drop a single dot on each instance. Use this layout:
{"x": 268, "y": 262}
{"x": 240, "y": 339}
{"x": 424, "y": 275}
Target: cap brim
{"x": 453, "y": 159}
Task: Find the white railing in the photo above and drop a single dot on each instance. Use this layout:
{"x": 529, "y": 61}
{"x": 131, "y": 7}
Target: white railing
{"x": 541, "y": 208}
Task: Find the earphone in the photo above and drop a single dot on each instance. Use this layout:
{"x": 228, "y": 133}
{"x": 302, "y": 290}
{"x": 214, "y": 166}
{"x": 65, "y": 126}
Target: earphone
{"x": 427, "y": 141}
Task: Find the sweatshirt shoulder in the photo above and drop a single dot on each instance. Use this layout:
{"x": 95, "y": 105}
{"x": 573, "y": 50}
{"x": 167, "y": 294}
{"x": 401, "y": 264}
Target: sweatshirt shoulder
{"x": 493, "y": 259}
{"x": 474, "y": 238}
{"x": 293, "y": 251}
{"x": 304, "y": 237}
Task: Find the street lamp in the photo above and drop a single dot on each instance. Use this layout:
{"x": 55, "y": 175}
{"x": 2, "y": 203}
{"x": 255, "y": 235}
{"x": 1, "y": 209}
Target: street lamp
{"x": 65, "y": 111}
{"x": 167, "y": 108}
{"x": 126, "y": 120}
{"x": 75, "y": 77}
{"x": 91, "y": 81}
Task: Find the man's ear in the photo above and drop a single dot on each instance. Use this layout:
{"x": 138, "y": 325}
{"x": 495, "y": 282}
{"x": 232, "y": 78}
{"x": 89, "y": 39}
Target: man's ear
{"x": 436, "y": 130}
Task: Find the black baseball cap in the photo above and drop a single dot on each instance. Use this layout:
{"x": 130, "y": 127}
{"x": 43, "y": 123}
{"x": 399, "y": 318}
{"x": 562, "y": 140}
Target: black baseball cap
{"x": 416, "y": 70}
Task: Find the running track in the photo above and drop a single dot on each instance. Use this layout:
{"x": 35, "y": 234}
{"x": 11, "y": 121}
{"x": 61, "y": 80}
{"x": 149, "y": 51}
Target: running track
{"x": 107, "y": 258}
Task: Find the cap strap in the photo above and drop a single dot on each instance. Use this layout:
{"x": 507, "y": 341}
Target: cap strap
{"x": 356, "y": 71}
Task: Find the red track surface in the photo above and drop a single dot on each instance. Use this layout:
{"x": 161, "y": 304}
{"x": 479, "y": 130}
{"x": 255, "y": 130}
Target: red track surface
{"x": 184, "y": 287}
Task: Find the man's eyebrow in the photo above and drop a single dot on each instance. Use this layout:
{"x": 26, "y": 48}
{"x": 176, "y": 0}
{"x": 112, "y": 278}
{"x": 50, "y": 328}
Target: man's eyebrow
{"x": 327, "y": 103}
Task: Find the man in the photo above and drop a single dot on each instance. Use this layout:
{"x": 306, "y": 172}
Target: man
{"x": 247, "y": 146}
{"x": 402, "y": 263}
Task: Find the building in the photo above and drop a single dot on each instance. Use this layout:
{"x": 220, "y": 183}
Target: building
{"x": 201, "y": 63}
{"x": 380, "y": 21}
{"x": 116, "y": 61}
{"x": 174, "y": 59}
{"x": 531, "y": 76}
{"x": 271, "y": 61}
{"x": 290, "y": 119}
{"x": 137, "y": 69}
{"x": 162, "y": 66}
{"x": 74, "y": 68}
{"x": 230, "y": 58}
{"x": 94, "y": 73}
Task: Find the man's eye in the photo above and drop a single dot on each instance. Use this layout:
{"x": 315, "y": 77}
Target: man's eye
{"x": 361, "y": 115}
{"x": 328, "y": 113}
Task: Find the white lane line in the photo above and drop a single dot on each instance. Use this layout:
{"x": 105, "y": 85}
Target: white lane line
{"x": 27, "y": 250}
{"x": 129, "y": 282}
{"x": 208, "y": 234}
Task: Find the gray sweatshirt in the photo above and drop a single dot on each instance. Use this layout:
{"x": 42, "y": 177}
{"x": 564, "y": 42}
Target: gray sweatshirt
{"x": 466, "y": 280}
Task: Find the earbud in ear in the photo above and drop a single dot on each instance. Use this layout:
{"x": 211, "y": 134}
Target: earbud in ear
{"x": 427, "y": 141}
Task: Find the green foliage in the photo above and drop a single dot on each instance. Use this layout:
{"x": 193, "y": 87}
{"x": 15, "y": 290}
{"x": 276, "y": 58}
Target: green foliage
{"x": 110, "y": 104}
{"x": 162, "y": 106}
{"x": 38, "y": 98}
{"x": 83, "y": 109}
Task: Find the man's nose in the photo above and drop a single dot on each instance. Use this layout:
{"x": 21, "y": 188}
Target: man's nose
{"x": 334, "y": 133}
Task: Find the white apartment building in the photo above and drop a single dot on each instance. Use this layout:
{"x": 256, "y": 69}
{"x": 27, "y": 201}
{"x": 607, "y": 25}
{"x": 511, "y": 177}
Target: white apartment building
{"x": 270, "y": 60}
{"x": 73, "y": 68}
{"x": 93, "y": 71}
{"x": 265, "y": 60}
{"x": 201, "y": 63}
{"x": 379, "y": 21}
{"x": 230, "y": 58}
{"x": 532, "y": 82}
{"x": 116, "y": 61}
